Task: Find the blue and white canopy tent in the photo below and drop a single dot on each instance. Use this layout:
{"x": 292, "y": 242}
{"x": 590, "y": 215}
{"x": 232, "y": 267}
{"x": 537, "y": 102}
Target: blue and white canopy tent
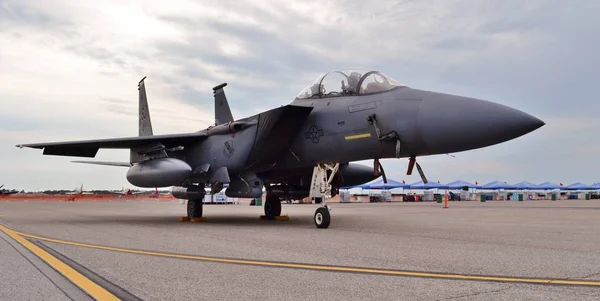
{"x": 428, "y": 195}
{"x": 460, "y": 184}
{"x": 578, "y": 186}
{"x": 526, "y": 186}
{"x": 378, "y": 184}
{"x": 429, "y": 185}
{"x": 497, "y": 185}
{"x": 595, "y": 186}
{"x": 391, "y": 184}
{"x": 549, "y": 186}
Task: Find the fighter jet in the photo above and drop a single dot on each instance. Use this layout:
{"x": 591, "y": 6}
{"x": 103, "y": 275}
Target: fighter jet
{"x": 150, "y": 193}
{"x": 78, "y": 191}
{"x": 6, "y": 191}
{"x": 128, "y": 191}
{"x": 305, "y": 148}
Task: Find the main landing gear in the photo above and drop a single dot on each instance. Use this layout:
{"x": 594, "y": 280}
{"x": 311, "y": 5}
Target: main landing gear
{"x": 321, "y": 191}
{"x": 194, "y": 209}
{"x": 272, "y": 206}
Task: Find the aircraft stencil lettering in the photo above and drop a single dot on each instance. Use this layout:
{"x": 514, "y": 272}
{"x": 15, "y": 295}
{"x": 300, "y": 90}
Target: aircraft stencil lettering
{"x": 284, "y": 151}
{"x": 362, "y": 107}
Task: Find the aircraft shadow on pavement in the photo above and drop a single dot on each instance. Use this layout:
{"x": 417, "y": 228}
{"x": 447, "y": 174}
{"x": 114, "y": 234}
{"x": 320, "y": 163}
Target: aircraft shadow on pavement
{"x": 174, "y": 220}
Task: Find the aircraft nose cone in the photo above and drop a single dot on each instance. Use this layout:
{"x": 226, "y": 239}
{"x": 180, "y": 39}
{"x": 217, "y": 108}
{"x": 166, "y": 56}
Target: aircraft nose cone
{"x": 449, "y": 123}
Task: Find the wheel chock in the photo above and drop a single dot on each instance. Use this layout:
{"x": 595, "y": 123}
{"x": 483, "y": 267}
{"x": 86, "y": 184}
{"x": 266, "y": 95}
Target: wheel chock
{"x": 184, "y": 219}
{"x": 197, "y": 220}
{"x": 275, "y": 218}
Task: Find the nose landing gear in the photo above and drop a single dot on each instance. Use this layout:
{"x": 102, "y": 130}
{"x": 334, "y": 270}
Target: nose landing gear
{"x": 321, "y": 191}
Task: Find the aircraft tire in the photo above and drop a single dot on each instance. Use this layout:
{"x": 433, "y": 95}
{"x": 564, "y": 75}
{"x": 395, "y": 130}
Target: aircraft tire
{"x": 273, "y": 206}
{"x": 322, "y": 218}
{"x": 194, "y": 208}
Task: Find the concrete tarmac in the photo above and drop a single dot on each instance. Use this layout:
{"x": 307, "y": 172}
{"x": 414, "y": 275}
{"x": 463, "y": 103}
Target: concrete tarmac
{"x": 539, "y": 239}
{"x": 20, "y": 279}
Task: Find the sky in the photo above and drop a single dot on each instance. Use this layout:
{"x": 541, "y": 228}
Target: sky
{"x": 69, "y": 71}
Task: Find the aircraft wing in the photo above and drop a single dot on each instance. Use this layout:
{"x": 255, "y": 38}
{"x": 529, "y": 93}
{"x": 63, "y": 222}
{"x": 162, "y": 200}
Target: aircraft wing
{"x": 89, "y": 148}
{"x": 107, "y": 163}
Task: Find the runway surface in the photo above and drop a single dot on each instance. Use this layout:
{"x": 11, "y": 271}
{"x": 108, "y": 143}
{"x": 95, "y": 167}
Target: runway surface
{"x": 137, "y": 247}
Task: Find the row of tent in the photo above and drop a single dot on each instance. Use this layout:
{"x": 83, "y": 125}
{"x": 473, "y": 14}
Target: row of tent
{"x": 456, "y": 185}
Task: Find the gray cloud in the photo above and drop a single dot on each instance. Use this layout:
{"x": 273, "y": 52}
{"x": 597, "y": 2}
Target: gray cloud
{"x": 100, "y": 54}
{"x": 537, "y": 56}
{"x": 16, "y": 13}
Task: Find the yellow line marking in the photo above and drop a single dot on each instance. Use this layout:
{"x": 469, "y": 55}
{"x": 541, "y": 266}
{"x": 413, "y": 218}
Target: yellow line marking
{"x": 325, "y": 268}
{"x": 97, "y": 292}
{"x": 359, "y": 136}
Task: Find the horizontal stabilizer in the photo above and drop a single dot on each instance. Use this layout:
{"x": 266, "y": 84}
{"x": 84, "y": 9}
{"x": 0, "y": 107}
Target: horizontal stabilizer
{"x": 89, "y": 148}
{"x": 123, "y": 164}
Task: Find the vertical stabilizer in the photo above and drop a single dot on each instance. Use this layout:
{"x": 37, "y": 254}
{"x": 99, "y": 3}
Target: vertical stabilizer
{"x": 145, "y": 126}
{"x": 222, "y": 110}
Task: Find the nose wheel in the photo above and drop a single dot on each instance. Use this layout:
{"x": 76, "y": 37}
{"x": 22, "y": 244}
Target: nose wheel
{"x": 322, "y": 217}
{"x": 321, "y": 190}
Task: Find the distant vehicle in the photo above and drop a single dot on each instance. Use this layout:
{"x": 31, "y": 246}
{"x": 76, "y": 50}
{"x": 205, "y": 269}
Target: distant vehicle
{"x": 220, "y": 199}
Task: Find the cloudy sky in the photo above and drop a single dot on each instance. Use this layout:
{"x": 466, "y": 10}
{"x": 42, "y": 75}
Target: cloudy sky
{"x": 69, "y": 70}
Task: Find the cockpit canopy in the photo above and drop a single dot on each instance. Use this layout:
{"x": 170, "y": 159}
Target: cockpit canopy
{"x": 348, "y": 82}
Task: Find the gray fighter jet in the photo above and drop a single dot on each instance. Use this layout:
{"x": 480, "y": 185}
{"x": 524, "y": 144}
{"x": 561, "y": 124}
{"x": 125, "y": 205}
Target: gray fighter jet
{"x": 304, "y": 149}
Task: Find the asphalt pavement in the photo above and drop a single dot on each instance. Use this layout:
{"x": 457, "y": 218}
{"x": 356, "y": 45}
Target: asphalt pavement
{"x": 506, "y": 239}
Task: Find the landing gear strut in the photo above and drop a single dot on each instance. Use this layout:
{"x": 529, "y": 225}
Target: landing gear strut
{"x": 321, "y": 191}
